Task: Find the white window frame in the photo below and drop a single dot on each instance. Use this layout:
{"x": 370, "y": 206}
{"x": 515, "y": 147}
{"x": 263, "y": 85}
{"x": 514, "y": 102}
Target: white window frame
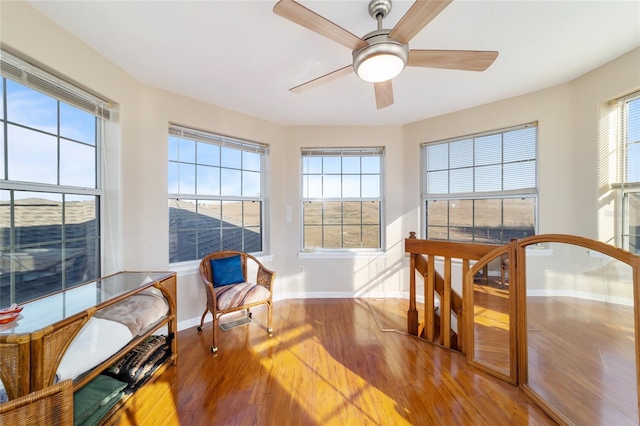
{"x": 475, "y": 194}
{"x": 343, "y": 152}
{"x": 233, "y": 143}
{"x": 28, "y": 75}
{"x": 624, "y": 185}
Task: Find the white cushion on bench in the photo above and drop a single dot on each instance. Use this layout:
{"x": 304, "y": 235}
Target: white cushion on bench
{"x": 98, "y": 340}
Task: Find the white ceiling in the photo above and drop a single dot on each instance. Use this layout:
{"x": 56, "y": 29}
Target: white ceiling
{"x": 240, "y": 55}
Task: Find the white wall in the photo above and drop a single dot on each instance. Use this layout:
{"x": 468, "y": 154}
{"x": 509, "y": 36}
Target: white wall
{"x": 377, "y": 275}
{"x": 568, "y": 162}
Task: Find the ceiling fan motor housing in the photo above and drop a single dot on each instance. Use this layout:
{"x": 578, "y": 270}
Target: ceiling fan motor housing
{"x": 379, "y": 44}
{"x": 379, "y": 8}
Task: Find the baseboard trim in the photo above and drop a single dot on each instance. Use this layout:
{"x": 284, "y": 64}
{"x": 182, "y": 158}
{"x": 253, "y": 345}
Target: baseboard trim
{"x": 581, "y": 295}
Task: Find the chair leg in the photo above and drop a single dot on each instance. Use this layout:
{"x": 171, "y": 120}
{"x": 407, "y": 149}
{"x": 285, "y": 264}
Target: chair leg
{"x": 216, "y": 321}
{"x": 202, "y": 319}
{"x": 269, "y": 317}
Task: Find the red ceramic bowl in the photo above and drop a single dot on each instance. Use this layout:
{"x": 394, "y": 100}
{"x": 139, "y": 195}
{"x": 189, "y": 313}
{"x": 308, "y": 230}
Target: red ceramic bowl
{"x": 7, "y": 318}
{"x": 13, "y": 309}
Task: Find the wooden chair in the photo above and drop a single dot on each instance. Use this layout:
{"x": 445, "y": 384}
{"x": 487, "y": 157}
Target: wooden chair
{"x": 52, "y": 405}
{"x": 239, "y": 295}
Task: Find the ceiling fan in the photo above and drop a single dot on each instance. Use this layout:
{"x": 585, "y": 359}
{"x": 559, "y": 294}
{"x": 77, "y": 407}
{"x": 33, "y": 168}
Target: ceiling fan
{"x": 382, "y": 54}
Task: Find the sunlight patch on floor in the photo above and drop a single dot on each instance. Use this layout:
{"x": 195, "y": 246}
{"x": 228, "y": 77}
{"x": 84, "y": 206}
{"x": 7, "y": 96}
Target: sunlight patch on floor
{"x": 320, "y": 390}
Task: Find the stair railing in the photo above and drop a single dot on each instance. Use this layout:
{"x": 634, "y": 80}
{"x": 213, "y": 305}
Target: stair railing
{"x": 423, "y": 255}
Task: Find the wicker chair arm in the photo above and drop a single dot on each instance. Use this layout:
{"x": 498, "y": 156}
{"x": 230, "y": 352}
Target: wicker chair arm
{"x": 265, "y": 277}
{"x": 205, "y": 275}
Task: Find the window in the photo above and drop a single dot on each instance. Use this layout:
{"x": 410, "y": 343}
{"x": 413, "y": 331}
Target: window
{"x": 629, "y": 108}
{"x": 49, "y": 183}
{"x": 481, "y": 188}
{"x": 216, "y": 194}
{"x": 342, "y": 198}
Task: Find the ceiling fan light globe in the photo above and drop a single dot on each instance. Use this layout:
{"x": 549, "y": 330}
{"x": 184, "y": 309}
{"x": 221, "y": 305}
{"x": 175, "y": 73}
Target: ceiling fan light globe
{"x": 382, "y": 59}
{"x": 380, "y": 67}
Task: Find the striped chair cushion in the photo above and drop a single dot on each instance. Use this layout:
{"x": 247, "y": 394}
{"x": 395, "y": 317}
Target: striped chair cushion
{"x": 231, "y": 296}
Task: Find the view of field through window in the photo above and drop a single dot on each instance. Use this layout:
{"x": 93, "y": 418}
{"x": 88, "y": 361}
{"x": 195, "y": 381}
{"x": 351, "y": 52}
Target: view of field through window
{"x": 342, "y": 198}
{"x": 485, "y": 221}
{"x": 349, "y": 224}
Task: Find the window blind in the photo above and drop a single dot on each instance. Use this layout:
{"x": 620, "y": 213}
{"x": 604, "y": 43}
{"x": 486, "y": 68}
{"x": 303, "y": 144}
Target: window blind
{"x": 486, "y": 164}
{"x": 29, "y": 75}
{"x": 341, "y": 152}
{"x": 630, "y": 129}
{"x": 201, "y": 136}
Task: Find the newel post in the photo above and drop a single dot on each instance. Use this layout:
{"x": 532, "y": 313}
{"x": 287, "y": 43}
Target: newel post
{"x": 412, "y": 313}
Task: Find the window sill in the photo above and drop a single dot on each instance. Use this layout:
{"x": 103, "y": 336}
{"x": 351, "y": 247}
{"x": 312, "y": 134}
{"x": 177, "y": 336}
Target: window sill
{"x": 184, "y": 267}
{"x": 191, "y": 266}
{"x": 342, "y": 255}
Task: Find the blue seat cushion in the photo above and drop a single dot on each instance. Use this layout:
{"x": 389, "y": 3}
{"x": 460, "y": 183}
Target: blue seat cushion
{"x": 227, "y": 270}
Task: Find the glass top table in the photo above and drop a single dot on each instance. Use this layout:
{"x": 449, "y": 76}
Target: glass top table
{"x": 47, "y": 310}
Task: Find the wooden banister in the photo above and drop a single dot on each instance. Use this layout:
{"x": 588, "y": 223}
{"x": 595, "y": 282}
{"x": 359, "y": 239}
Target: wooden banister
{"x": 423, "y": 254}
{"x": 454, "y": 299}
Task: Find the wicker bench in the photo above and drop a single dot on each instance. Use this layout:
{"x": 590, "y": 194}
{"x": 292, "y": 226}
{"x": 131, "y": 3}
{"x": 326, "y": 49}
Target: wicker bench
{"x": 52, "y": 405}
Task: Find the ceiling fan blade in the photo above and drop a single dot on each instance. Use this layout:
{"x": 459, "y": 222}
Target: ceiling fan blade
{"x": 299, "y": 14}
{"x": 416, "y": 18}
{"x": 322, "y": 79}
{"x": 384, "y": 94}
{"x": 467, "y": 60}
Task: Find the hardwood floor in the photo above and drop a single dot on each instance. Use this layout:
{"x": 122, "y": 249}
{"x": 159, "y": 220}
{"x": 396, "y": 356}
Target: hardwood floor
{"x": 329, "y": 363}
